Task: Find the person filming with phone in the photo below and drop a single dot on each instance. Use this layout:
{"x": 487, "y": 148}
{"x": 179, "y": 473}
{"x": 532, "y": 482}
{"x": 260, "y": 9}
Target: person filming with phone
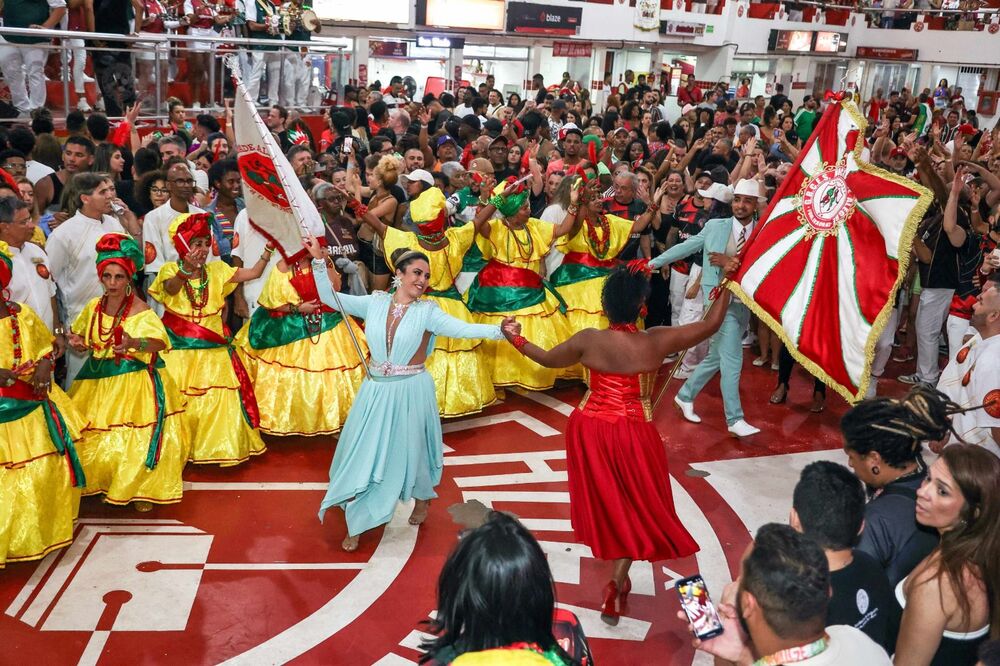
{"x": 777, "y": 610}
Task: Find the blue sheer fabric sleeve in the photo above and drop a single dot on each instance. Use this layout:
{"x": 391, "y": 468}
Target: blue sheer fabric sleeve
{"x": 356, "y": 306}
{"x": 447, "y": 326}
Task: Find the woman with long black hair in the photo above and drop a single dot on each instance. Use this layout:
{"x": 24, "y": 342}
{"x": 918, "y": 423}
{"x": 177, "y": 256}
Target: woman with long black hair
{"x": 496, "y": 603}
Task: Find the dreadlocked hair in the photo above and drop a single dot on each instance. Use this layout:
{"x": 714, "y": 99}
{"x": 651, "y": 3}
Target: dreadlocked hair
{"x": 895, "y": 428}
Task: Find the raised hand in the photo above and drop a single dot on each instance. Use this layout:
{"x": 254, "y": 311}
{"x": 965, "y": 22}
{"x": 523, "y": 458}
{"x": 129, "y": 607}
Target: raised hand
{"x": 312, "y": 245}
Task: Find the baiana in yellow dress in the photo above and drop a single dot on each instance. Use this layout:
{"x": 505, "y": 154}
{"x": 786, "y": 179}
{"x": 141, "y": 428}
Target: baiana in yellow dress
{"x": 305, "y": 369}
{"x": 461, "y": 368}
{"x": 510, "y": 284}
{"x": 38, "y": 459}
{"x": 221, "y": 411}
{"x": 591, "y": 253}
{"x": 136, "y": 442}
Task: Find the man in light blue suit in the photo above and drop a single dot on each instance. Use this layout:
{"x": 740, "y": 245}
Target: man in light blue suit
{"x": 720, "y": 240}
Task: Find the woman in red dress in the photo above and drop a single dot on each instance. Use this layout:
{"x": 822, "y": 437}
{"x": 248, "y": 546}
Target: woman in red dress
{"x": 621, "y": 505}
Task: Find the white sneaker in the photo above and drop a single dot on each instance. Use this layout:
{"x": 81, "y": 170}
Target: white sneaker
{"x": 88, "y": 79}
{"x": 683, "y": 372}
{"x": 99, "y": 105}
{"x": 83, "y": 105}
{"x": 687, "y": 410}
{"x": 196, "y": 106}
{"x": 743, "y": 429}
{"x": 749, "y": 339}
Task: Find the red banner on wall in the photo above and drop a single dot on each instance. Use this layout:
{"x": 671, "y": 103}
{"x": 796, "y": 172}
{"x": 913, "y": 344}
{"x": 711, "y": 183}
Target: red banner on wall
{"x": 882, "y": 53}
{"x": 572, "y": 49}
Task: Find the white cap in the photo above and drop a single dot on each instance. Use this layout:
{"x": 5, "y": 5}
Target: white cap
{"x": 201, "y": 180}
{"x": 719, "y": 192}
{"x": 687, "y": 108}
{"x": 748, "y": 187}
{"x": 419, "y": 174}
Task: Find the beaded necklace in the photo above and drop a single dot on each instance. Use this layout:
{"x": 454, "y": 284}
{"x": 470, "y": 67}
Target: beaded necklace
{"x": 528, "y": 244}
{"x": 197, "y": 294}
{"x": 104, "y": 336}
{"x": 599, "y": 245}
{"x": 15, "y": 334}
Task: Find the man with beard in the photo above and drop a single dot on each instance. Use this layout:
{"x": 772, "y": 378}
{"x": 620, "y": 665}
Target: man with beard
{"x": 720, "y": 240}
{"x": 779, "y": 608}
{"x": 972, "y": 377}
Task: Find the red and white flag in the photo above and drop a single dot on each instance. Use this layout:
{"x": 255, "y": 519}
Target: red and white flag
{"x": 827, "y": 257}
{"x": 277, "y": 204}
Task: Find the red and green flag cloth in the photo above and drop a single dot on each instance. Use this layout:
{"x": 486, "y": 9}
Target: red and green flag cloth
{"x": 828, "y": 255}
{"x": 122, "y": 365}
{"x": 19, "y": 400}
{"x": 502, "y": 288}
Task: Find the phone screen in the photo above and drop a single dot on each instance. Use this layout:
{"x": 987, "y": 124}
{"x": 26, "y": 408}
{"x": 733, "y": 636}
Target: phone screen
{"x": 698, "y": 607}
{"x": 348, "y": 144}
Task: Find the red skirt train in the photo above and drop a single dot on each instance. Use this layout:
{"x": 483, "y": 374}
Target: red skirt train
{"x": 621, "y": 504}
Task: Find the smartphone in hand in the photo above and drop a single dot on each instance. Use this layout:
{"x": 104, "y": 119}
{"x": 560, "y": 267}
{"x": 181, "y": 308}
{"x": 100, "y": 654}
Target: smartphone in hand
{"x": 698, "y": 607}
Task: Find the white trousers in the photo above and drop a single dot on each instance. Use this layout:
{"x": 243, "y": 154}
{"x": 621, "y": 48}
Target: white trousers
{"x": 692, "y": 310}
{"x": 303, "y": 79}
{"x": 23, "y": 70}
{"x": 678, "y": 286}
{"x": 956, "y": 329}
{"x": 281, "y": 71}
{"x": 79, "y": 54}
{"x": 931, "y": 314}
{"x": 883, "y": 350}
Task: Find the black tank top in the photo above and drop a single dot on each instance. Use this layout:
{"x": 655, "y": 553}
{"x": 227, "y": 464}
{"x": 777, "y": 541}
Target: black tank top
{"x": 57, "y": 189}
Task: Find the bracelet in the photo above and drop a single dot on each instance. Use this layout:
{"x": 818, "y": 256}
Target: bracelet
{"x": 59, "y": 330}
{"x": 180, "y": 269}
{"x": 266, "y": 257}
{"x": 519, "y": 341}
{"x": 573, "y": 209}
{"x": 293, "y": 308}
{"x": 496, "y": 201}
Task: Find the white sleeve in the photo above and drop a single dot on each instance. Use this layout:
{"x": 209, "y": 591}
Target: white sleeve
{"x": 241, "y": 229}
{"x": 56, "y": 4}
{"x": 188, "y": 7}
{"x": 986, "y": 388}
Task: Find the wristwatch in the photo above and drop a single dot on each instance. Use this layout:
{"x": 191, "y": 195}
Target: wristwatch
{"x": 59, "y": 330}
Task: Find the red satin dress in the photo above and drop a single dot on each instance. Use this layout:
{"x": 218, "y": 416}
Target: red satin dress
{"x": 621, "y": 504}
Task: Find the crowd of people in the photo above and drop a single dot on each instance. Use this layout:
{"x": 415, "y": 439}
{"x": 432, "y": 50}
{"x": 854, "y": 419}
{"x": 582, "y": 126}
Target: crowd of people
{"x": 488, "y": 243}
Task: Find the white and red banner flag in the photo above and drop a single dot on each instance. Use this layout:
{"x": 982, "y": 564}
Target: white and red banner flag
{"x": 826, "y": 259}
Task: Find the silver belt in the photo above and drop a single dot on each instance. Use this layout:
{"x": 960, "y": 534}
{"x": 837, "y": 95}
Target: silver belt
{"x": 387, "y": 369}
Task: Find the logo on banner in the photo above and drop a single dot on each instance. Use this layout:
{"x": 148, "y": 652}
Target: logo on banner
{"x": 647, "y": 15}
{"x": 260, "y": 175}
{"x": 994, "y": 27}
{"x": 826, "y": 201}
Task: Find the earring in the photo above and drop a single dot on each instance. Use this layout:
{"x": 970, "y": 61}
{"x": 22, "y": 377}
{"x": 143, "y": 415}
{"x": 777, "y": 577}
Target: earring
{"x": 875, "y": 470}
{"x": 128, "y": 290}
{"x": 397, "y": 282}
{"x": 643, "y": 311}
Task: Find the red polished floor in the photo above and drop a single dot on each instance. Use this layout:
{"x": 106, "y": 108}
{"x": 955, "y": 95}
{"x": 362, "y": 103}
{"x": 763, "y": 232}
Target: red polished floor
{"x": 243, "y": 571}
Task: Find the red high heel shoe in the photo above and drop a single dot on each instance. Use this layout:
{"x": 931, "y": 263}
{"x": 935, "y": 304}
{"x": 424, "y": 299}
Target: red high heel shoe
{"x": 609, "y": 608}
{"x": 623, "y": 595}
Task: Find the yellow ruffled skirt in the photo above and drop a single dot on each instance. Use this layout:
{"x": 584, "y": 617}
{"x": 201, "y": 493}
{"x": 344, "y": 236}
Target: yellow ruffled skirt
{"x": 542, "y": 324}
{"x": 305, "y": 387}
{"x": 38, "y": 502}
{"x": 461, "y": 369}
{"x": 122, "y": 412}
{"x": 583, "y": 310}
{"x": 213, "y": 414}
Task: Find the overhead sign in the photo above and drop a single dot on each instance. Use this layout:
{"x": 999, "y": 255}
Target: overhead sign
{"x": 383, "y": 49}
{"x": 440, "y": 42}
{"x": 572, "y": 49}
{"x": 385, "y": 11}
{"x": 882, "y": 53}
{"x": 530, "y": 18}
{"x": 474, "y": 14}
{"x": 681, "y": 28}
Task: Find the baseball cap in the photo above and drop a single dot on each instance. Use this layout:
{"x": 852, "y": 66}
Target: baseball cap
{"x": 570, "y": 128}
{"x": 493, "y": 127}
{"x": 719, "y": 192}
{"x": 472, "y": 121}
{"x": 687, "y": 109}
{"x": 481, "y": 165}
{"x": 446, "y": 139}
{"x": 422, "y": 175}
{"x": 967, "y": 129}
{"x": 897, "y": 152}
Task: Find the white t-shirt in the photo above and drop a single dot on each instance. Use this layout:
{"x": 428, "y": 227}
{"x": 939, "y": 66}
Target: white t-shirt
{"x": 30, "y": 282}
{"x": 72, "y": 251}
{"x": 849, "y": 646}
{"x": 971, "y": 379}
{"x": 249, "y": 250}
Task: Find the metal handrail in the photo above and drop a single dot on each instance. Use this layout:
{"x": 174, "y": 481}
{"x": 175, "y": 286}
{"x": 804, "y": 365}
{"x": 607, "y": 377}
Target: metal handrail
{"x": 157, "y": 43}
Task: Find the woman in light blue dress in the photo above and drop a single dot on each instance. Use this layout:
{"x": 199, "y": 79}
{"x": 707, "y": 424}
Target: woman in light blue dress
{"x": 391, "y": 446}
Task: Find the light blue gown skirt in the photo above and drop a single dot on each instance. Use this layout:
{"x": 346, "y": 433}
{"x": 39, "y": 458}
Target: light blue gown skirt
{"x": 390, "y": 450}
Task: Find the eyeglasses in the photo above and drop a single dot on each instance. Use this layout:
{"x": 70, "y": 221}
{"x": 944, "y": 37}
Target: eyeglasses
{"x": 159, "y": 190}
{"x": 13, "y": 165}
{"x": 182, "y": 181}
